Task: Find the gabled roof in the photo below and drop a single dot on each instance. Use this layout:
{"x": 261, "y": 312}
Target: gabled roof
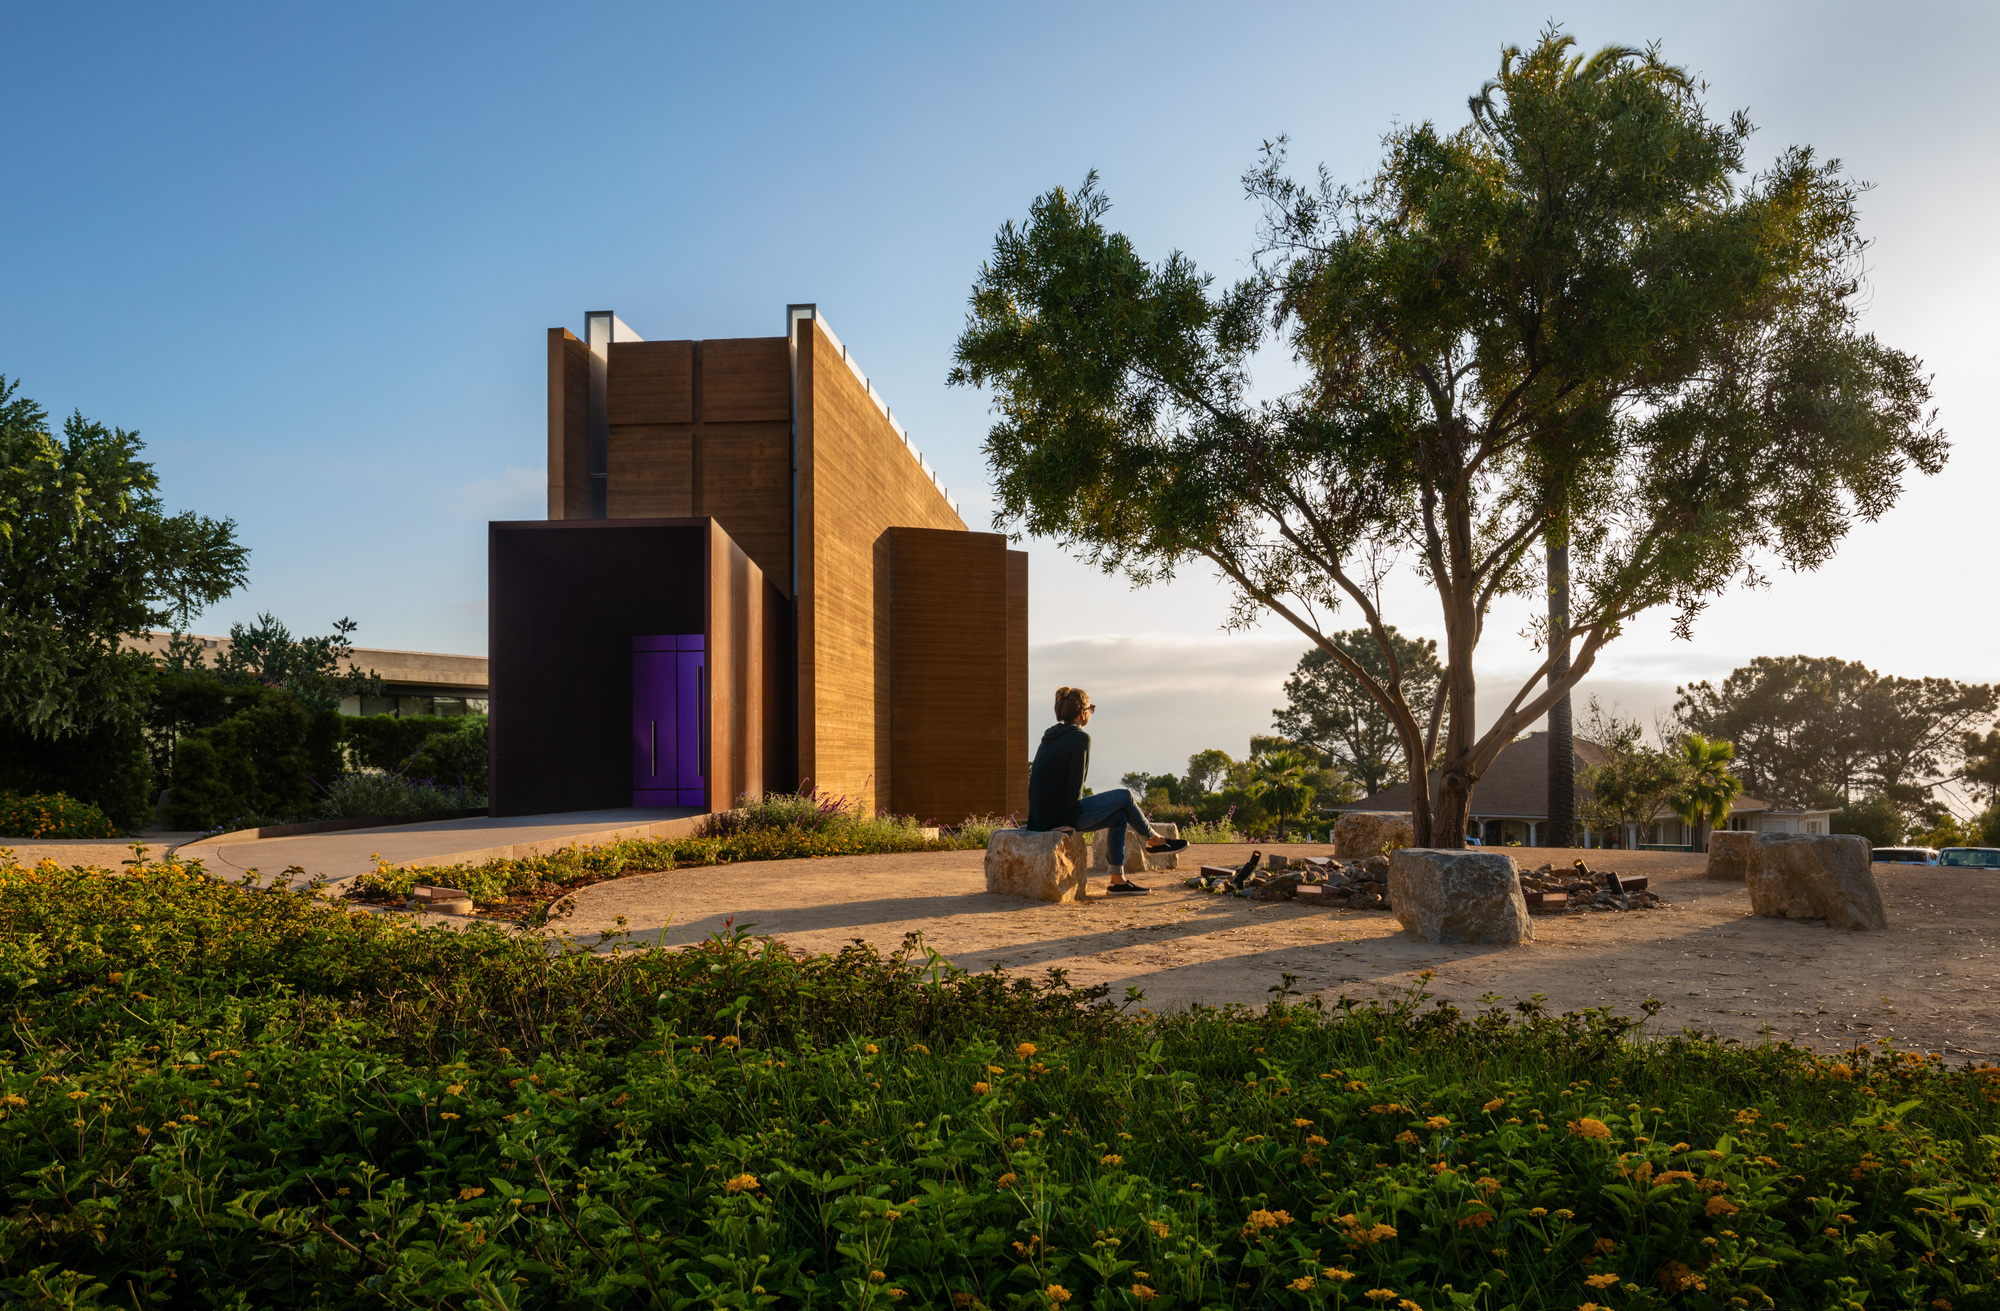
{"x": 1517, "y": 784}
{"x": 1515, "y": 787}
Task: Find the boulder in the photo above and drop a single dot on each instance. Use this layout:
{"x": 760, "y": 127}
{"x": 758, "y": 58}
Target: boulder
{"x": 1729, "y": 854}
{"x": 1459, "y": 897}
{"x": 1815, "y": 876}
{"x": 1137, "y": 859}
{"x": 1360, "y": 833}
{"x": 1043, "y": 866}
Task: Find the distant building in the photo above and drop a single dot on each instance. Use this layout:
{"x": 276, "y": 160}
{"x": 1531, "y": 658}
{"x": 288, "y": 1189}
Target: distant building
{"x": 413, "y": 682}
{"x": 1510, "y": 804}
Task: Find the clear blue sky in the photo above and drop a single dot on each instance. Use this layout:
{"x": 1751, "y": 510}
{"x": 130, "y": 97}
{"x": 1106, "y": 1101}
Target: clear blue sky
{"x": 310, "y": 255}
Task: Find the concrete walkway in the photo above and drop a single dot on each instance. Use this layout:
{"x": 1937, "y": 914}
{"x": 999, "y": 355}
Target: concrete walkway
{"x": 342, "y": 856}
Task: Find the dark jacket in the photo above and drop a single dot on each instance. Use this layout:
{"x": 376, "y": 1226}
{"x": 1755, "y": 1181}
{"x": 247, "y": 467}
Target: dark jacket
{"x": 1055, "y": 781}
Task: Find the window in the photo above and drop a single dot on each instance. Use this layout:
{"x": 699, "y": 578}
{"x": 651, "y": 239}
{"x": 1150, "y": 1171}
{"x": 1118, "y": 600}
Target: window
{"x": 1970, "y": 857}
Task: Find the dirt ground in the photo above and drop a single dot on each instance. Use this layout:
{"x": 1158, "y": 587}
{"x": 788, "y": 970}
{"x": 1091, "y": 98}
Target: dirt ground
{"x": 1928, "y": 984}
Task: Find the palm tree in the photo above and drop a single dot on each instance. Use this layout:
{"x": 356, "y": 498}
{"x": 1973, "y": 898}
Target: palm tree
{"x": 1705, "y": 799}
{"x": 1285, "y": 782}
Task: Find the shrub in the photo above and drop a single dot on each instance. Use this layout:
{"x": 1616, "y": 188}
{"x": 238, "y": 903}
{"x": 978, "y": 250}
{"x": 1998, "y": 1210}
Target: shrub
{"x": 260, "y": 760}
{"x": 978, "y": 830}
{"x": 1877, "y": 818}
{"x": 298, "y": 1106}
{"x": 496, "y": 880}
{"x": 457, "y": 758}
{"x": 108, "y": 767}
{"x": 810, "y": 811}
{"x": 1220, "y": 831}
{"x": 443, "y": 747}
{"x": 51, "y": 815}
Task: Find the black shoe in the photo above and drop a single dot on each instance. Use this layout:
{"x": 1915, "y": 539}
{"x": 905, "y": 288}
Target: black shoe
{"x": 1247, "y": 868}
{"x": 1161, "y": 846}
{"x": 1127, "y": 889}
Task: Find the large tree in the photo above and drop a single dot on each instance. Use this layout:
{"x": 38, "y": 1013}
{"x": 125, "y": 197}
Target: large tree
{"x": 1576, "y": 302}
{"x": 1809, "y": 727}
{"x": 1329, "y": 710}
{"x": 88, "y": 554}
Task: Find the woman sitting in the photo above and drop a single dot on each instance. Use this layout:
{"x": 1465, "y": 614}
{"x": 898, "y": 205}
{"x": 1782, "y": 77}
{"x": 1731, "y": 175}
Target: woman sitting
{"x": 1055, "y": 792}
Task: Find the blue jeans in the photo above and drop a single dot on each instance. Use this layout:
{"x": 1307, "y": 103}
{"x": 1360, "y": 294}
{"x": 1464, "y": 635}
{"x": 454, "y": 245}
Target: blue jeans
{"x": 1114, "y": 810}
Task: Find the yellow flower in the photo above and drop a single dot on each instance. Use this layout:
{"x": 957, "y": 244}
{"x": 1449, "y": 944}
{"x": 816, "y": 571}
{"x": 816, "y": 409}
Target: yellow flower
{"x": 1005, "y": 1180}
{"x": 1381, "y": 1294}
{"x": 448, "y": 1115}
{"x": 742, "y": 1183}
{"x": 1719, "y": 1205}
{"x": 920, "y": 1049}
{"x": 982, "y": 1088}
{"x": 996, "y": 1069}
{"x": 1494, "y": 1105}
{"x": 1056, "y": 1292}
{"x": 1407, "y": 1138}
{"x": 1336, "y": 1274}
{"x": 1589, "y": 1128}
{"x": 1303, "y": 1284}
{"x": 1160, "y": 1228}
{"x": 1112, "y": 1159}
{"x": 1539, "y": 1212}
{"x": 1437, "y": 1122}
{"x": 467, "y": 1194}
{"x": 1024, "y": 1051}
{"x": 1600, "y": 1281}
{"x": 1314, "y": 1140}
{"x": 871, "y": 1049}
{"x": 457, "y": 1088}
{"x": 1261, "y": 1220}
{"x": 1143, "y": 1293}
{"x": 729, "y": 1040}
{"x": 894, "y": 1292}
{"x": 1302, "y": 1124}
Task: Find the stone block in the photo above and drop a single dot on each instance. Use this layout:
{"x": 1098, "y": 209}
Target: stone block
{"x": 1729, "y": 854}
{"x": 1816, "y": 876}
{"x": 1453, "y": 897}
{"x": 1359, "y": 834}
{"x": 1137, "y": 859}
{"x": 1042, "y": 866}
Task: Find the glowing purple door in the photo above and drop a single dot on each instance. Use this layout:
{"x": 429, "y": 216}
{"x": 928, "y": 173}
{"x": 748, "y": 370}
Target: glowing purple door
{"x": 669, "y": 716}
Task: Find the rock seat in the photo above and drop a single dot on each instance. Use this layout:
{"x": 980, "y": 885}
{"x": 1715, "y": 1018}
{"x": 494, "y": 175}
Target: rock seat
{"x": 1729, "y": 854}
{"x": 1360, "y": 834}
{"x": 1454, "y": 897}
{"x": 1042, "y": 866}
{"x": 1816, "y": 876}
{"x": 1137, "y": 859}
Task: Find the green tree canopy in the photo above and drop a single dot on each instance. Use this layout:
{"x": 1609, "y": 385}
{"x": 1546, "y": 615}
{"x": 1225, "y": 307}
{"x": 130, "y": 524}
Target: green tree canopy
{"x": 1808, "y": 728}
{"x": 88, "y": 554}
{"x": 1578, "y": 299}
{"x": 1330, "y": 711}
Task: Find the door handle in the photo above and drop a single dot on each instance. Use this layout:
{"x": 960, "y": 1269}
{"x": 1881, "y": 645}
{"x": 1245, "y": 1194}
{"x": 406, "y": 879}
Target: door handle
{"x": 656, "y": 748}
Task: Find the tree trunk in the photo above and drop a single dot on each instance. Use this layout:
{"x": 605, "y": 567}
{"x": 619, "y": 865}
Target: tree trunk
{"x": 1700, "y": 834}
{"x": 1451, "y": 807}
{"x": 1562, "y": 742}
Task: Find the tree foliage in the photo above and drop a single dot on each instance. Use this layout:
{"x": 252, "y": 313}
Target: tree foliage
{"x": 1578, "y": 299}
{"x": 1808, "y": 729}
{"x": 88, "y": 555}
{"x": 1329, "y": 710}
{"x": 265, "y": 653}
{"x": 1708, "y": 789}
{"x": 1635, "y": 783}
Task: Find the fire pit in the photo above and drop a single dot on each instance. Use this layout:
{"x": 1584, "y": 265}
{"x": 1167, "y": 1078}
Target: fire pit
{"x": 1578, "y": 889}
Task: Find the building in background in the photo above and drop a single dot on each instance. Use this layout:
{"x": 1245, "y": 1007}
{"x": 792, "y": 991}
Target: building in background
{"x": 413, "y": 682}
{"x": 749, "y": 580}
{"x": 1510, "y": 804}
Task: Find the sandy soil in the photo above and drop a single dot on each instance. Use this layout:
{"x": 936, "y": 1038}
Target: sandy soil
{"x": 1926, "y": 984}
